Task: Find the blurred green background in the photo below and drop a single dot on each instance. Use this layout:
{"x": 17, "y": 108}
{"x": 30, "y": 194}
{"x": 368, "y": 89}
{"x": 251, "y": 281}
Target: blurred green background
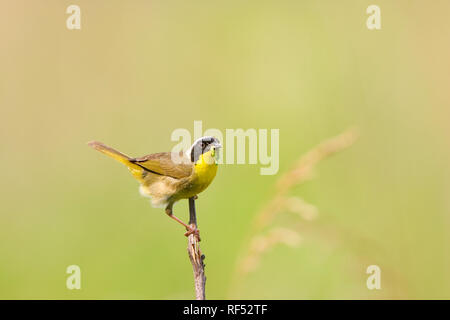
{"x": 138, "y": 70}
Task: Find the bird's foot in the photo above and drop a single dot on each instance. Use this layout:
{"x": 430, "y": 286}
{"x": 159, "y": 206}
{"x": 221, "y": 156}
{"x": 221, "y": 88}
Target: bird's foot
{"x": 194, "y": 231}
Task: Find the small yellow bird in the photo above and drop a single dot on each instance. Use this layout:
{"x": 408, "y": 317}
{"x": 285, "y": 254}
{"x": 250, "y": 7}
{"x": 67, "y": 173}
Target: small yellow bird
{"x": 167, "y": 177}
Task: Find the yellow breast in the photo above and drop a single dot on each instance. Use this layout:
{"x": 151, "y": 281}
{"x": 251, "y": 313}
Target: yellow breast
{"x": 205, "y": 170}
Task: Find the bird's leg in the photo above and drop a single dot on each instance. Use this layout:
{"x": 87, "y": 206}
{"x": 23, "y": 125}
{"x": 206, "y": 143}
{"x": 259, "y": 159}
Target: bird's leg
{"x": 190, "y": 229}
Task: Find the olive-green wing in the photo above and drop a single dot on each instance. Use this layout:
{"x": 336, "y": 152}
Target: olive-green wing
{"x": 174, "y": 165}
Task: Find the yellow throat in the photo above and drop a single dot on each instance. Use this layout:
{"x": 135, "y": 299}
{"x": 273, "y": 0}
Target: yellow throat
{"x": 205, "y": 169}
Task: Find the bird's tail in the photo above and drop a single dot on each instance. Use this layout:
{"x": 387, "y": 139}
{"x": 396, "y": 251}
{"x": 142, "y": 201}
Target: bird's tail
{"x": 119, "y": 156}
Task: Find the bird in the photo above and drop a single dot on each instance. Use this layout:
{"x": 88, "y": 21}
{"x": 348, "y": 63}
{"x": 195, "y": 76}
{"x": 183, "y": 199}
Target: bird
{"x": 168, "y": 177}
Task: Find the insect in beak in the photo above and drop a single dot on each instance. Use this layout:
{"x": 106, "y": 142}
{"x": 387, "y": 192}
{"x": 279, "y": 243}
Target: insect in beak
{"x": 214, "y": 149}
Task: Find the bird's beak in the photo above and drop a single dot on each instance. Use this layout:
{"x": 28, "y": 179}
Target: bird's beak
{"x": 217, "y": 145}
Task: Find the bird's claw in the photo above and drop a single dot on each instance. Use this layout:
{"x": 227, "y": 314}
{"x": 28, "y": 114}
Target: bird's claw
{"x": 194, "y": 231}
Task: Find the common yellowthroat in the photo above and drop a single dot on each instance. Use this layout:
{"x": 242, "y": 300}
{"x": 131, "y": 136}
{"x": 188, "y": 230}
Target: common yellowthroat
{"x": 167, "y": 177}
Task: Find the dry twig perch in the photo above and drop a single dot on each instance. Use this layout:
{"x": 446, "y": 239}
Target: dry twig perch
{"x": 195, "y": 255}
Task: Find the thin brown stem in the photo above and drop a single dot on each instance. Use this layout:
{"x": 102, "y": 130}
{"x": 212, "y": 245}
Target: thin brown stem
{"x": 195, "y": 255}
